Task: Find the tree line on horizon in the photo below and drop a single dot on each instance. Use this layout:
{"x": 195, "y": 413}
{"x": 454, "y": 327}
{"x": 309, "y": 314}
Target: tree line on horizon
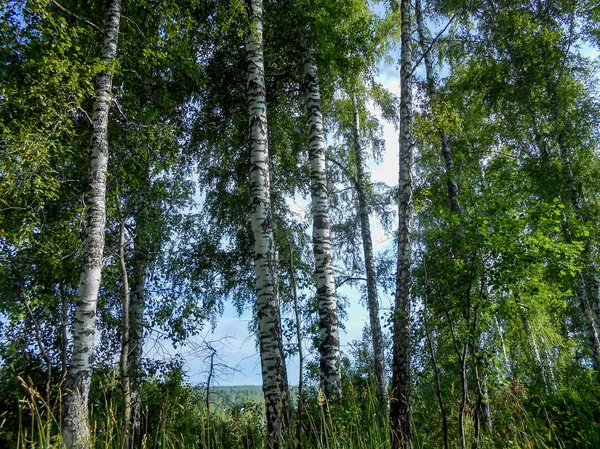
{"x": 116, "y": 116}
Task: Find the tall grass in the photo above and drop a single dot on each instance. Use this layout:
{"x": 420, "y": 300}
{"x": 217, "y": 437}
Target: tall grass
{"x": 174, "y": 416}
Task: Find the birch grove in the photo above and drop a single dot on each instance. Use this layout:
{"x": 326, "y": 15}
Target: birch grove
{"x": 181, "y": 268}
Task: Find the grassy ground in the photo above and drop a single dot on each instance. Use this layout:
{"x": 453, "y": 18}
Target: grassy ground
{"x": 174, "y": 415}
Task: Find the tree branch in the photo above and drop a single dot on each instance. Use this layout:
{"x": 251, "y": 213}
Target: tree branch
{"x": 72, "y": 14}
{"x": 432, "y": 43}
{"x": 339, "y": 284}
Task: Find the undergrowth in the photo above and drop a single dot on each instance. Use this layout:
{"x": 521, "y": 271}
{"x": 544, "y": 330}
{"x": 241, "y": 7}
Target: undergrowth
{"x": 174, "y": 415}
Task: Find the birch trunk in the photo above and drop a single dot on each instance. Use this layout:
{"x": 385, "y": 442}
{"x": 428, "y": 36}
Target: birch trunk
{"x": 123, "y": 362}
{"x": 300, "y": 350}
{"x": 506, "y": 359}
{"x": 75, "y": 429}
{"x": 582, "y": 282}
{"x": 137, "y": 304}
{"x": 329, "y": 347}
{"x": 535, "y": 349}
{"x": 425, "y": 43}
{"x": 136, "y": 325}
{"x": 64, "y": 340}
{"x": 590, "y": 322}
{"x": 436, "y": 372}
{"x": 373, "y": 304}
{"x": 269, "y": 327}
{"x": 400, "y": 410}
{"x": 596, "y": 297}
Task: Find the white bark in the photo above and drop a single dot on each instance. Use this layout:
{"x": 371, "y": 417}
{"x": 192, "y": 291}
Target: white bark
{"x": 400, "y": 410}
{"x": 269, "y": 326}
{"x": 137, "y": 303}
{"x": 329, "y": 347}
{"x": 76, "y": 433}
{"x": 583, "y": 280}
{"x": 596, "y": 297}
{"x": 136, "y": 326}
{"x": 123, "y": 362}
{"x": 505, "y": 357}
{"x": 590, "y": 323}
{"x": 535, "y": 349}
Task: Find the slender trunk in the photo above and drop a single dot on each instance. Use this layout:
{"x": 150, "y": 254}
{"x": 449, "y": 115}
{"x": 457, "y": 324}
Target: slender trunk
{"x": 438, "y": 383}
{"x": 64, "y": 321}
{"x": 507, "y": 364}
{"x": 464, "y": 399}
{"x": 548, "y": 365}
{"x": 136, "y": 306}
{"x": 46, "y": 357}
{"x": 300, "y": 350}
{"x": 123, "y": 365}
{"x": 596, "y": 297}
{"x": 425, "y": 44}
{"x": 64, "y": 342}
{"x": 478, "y": 410}
{"x": 436, "y": 371}
{"x": 590, "y": 322}
{"x": 486, "y": 408}
{"x": 136, "y": 325}
{"x": 400, "y": 410}
{"x": 329, "y": 347}
{"x": 373, "y": 303}
{"x": 210, "y": 375}
{"x": 534, "y": 348}
{"x": 461, "y": 354}
{"x": 75, "y": 429}
{"x": 269, "y": 326}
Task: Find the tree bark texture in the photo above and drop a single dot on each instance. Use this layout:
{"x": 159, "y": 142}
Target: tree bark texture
{"x": 137, "y": 304}
{"x": 137, "y": 301}
{"x": 590, "y": 322}
{"x": 329, "y": 347}
{"x": 505, "y": 357}
{"x": 365, "y": 226}
{"x": 596, "y": 297}
{"x": 269, "y": 326}
{"x": 123, "y": 362}
{"x": 64, "y": 339}
{"x": 400, "y": 409}
{"x": 76, "y": 432}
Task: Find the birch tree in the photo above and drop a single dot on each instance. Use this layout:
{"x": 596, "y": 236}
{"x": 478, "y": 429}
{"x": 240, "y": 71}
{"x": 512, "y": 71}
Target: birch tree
{"x": 400, "y": 410}
{"x": 367, "y": 243}
{"x": 269, "y": 325}
{"x": 329, "y": 347}
{"x": 425, "y": 43}
{"x": 76, "y": 432}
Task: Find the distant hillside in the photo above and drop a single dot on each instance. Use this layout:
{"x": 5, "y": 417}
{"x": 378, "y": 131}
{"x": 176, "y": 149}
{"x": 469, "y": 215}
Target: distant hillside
{"x": 239, "y": 394}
